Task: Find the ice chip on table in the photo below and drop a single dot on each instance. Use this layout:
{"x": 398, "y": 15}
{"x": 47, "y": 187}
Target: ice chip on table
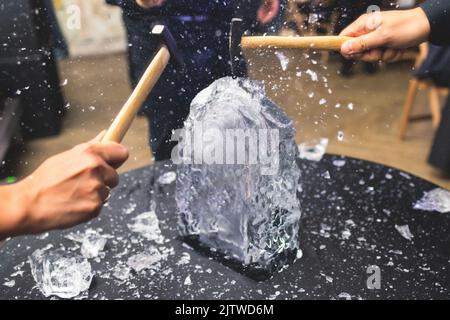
{"x": 147, "y": 225}
{"x": 167, "y": 178}
{"x": 10, "y": 283}
{"x": 93, "y": 243}
{"x": 313, "y": 150}
{"x": 404, "y": 231}
{"x": 122, "y": 272}
{"x": 435, "y": 200}
{"x": 237, "y": 208}
{"x": 60, "y": 273}
{"x": 148, "y": 259}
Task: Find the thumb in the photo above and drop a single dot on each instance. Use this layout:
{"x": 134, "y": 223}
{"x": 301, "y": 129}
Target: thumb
{"x": 362, "y": 44}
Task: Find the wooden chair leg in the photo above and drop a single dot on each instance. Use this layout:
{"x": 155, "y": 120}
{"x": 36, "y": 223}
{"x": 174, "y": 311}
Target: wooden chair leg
{"x": 409, "y": 102}
{"x": 435, "y": 106}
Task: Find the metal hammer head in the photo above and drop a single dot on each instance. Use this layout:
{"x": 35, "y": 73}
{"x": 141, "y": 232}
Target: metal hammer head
{"x": 163, "y": 35}
{"x": 238, "y": 65}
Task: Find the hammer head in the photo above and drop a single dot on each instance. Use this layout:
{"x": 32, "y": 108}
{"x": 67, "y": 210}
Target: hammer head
{"x": 238, "y": 65}
{"x": 162, "y": 34}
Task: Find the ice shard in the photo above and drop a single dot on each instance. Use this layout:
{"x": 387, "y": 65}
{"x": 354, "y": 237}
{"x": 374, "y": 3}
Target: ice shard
{"x": 243, "y": 204}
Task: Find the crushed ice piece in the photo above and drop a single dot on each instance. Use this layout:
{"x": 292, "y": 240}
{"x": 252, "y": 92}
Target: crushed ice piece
{"x": 43, "y": 236}
{"x": 299, "y": 254}
{"x": 93, "y": 243}
{"x": 167, "y": 178}
{"x": 122, "y": 272}
{"x": 60, "y": 273}
{"x": 244, "y": 210}
{"x": 284, "y": 61}
{"x": 10, "y": 283}
{"x": 326, "y": 175}
{"x": 313, "y": 75}
{"x": 185, "y": 259}
{"x": 405, "y": 232}
{"x": 345, "y": 295}
{"x": 187, "y": 281}
{"x": 313, "y": 151}
{"x": 350, "y": 106}
{"x": 435, "y": 200}
{"x": 346, "y": 234}
{"x": 148, "y": 259}
{"x": 405, "y": 175}
{"x": 147, "y": 225}
{"x": 339, "y": 163}
{"x": 322, "y": 101}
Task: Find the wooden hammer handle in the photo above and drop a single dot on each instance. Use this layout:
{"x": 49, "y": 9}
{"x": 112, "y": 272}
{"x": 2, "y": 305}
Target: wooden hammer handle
{"x": 123, "y": 120}
{"x": 277, "y": 42}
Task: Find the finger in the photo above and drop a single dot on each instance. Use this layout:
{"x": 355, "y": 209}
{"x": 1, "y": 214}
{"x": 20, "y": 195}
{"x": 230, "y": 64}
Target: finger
{"x": 389, "y": 55}
{"x": 372, "y": 55}
{"x": 112, "y": 153}
{"x": 399, "y": 55}
{"x": 362, "y": 43}
{"x": 104, "y": 174}
{"x": 356, "y": 29}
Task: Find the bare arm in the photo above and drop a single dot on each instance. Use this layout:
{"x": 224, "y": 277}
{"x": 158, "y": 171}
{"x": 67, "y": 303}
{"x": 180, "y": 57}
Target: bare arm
{"x": 65, "y": 190}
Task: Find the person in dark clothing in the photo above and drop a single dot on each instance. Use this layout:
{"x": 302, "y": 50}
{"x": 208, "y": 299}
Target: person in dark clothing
{"x": 200, "y": 28}
{"x": 393, "y": 31}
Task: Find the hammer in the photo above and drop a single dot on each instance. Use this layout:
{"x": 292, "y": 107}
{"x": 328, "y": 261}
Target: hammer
{"x": 125, "y": 117}
{"x": 238, "y": 42}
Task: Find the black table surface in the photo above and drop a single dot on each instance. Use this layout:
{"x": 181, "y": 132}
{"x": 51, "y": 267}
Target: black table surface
{"x": 347, "y": 226}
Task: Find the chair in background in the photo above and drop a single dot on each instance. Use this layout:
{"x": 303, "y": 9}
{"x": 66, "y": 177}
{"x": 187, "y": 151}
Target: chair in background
{"x": 417, "y": 84}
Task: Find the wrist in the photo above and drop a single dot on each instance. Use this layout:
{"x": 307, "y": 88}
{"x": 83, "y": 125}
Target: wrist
{"x": 13, "y": 210}
{"x": 423, "y": 23}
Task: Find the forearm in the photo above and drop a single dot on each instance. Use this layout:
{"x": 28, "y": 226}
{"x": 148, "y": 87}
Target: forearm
{"x": 12, "y": 211}
{"x": 438, "y": 14}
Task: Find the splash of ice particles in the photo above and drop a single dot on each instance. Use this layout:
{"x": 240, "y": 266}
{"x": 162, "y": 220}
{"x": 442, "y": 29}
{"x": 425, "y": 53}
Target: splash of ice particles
{"x": 313, "y": 151}
{"x": 147, "y": 225}
{"x": 234, "y": 208}
{"x": 435, "y": 200}
{"x": 59, "y": 273}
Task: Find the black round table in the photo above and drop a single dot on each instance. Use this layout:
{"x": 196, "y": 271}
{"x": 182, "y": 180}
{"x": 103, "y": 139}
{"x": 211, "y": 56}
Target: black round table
{"x": 347, "y": 234}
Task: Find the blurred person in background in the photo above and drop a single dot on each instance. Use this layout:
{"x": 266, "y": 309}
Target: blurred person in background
{"x": 200, "y": 29}
{"x": 385, "y": 38}
{"x": 67, "y": 189}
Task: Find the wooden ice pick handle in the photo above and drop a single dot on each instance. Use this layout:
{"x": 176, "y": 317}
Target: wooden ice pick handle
{"x": 123, "y": 120}
{"x": 332, "y": 43}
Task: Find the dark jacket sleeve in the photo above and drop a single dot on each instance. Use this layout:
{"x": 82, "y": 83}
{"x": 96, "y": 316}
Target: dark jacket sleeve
{"x": 438, "y": 13}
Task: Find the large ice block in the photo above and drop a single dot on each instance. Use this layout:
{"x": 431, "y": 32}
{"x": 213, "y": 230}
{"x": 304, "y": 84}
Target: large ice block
{"x": 246, "y": 210}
